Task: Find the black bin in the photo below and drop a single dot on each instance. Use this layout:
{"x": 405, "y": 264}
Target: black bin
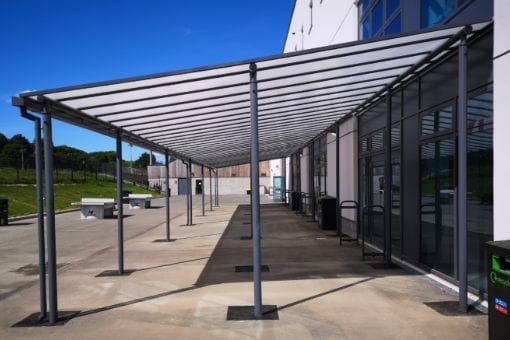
{"x": 498, "y": 289}
{"x": 294, "y": 200}
{"x": 327, "y": 212}
{"x": 4, "y": 211}
{"x": 125, "y": 194}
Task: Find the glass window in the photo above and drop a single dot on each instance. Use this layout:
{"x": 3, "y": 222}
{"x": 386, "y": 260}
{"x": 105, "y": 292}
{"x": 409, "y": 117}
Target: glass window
{"x": 378, "y": 141}
{"x": 365, "y": 29}
{"x": 437, "y": 121}
{"x": 479, "y": 111}
{"x": 391, "y": 7}
{"x": 364, "y": 6}
{"x": 480, "y": 210}
{"x": 434, "y": 12}
{"x": 377, "y": 17}
{"x": 395, "y": 135}
{"x": 364, "y": 145}
{"x": 394, "y": 27}
{"x": 436, "y": 205}
{"x": 395, "y": 205}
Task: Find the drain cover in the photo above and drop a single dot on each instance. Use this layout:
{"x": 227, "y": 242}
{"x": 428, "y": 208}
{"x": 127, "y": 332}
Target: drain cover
{"x": 249, "y": 269}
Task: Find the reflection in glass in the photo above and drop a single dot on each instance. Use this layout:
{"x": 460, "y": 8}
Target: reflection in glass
{"x": 376, "y": 221}
{"x": 365, "y": 29}
{"x": 436, "y": 205}
{"x": 364, "y": 145}
{"x": 394, "y": 27}
{"x": 437, "y": 121}
{"x": 434, "y": 12}
{"x": 395, "y": 135}
{"x": 391, "y": 7}
{"x": 377, "y": 17}
{"x": 480, "y": 188}
{"x": 377, "y": 141}
{"x": 395, "y": 206}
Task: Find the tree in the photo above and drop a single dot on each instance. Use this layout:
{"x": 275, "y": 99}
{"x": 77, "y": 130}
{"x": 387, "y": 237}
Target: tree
{"x": 3, "y": 141}
{"x": 144, "y": 160}
{"x": 17, "y": 152}
{"x": 66, "y": 157}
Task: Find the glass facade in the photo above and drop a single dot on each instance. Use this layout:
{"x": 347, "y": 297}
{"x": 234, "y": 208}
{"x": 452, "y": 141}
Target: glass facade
{"x": 437, "y": 205}
{"x": 480, "y": 188}
{"x": 434, "y": 12}
{"x": 424, "y": 165}
{"x": 379, "y": 17}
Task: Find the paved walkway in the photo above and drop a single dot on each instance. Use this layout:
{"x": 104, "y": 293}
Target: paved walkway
{"x": 182, "y": 289}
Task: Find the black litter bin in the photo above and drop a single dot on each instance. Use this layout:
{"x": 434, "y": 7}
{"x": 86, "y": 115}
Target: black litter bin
{"x": 294, "y": 200}
{"x": 327, "y": 212}
{"x": 125, "y": 194}
{"x": 498, "y": 288}
{"x": 4, "y": 211}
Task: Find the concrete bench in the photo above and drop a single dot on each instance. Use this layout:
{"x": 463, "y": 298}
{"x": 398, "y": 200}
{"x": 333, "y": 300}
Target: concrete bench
{"x": 94, "y": 208}
{"x": 139, "y": 201}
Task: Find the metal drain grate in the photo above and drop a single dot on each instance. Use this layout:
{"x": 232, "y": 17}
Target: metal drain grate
{"x": 237, "y": 313}
{"x": 249, "y": 269}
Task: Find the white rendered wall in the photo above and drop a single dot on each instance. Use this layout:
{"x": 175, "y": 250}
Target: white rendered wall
{"x": 349, "y": 164}
{"x": 226, "y": 185}
{"x": 328, "y": 22}
{"x": 331, "y": 165}
{"x": 501, "y": 119}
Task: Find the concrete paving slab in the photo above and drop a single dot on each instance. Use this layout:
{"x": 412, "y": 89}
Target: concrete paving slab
{"x": 183, "y": 289}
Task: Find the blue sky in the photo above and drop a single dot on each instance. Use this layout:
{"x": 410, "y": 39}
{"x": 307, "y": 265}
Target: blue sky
{"x": 54, "y": 43}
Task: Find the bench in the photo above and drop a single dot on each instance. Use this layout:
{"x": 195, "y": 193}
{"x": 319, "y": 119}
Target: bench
{"x": 139, "y": 201}
{"x": 96, "y": 208}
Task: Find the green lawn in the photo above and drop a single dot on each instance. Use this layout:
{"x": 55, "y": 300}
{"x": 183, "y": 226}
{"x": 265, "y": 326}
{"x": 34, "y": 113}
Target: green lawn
{"x": 22, "y": 197}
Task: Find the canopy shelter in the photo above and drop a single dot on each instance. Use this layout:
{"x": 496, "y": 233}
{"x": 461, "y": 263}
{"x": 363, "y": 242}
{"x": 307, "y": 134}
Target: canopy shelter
{"x": 248, "y": 111}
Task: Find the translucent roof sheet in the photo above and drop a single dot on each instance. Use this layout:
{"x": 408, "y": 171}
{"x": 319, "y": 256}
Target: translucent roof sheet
{"x": 204, "y": 114}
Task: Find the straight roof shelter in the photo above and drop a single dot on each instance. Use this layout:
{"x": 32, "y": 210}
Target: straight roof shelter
{"x": 248, "y": 111}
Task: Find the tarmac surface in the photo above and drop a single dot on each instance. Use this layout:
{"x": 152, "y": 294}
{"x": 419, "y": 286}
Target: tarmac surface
{"x": 183, "y": 289}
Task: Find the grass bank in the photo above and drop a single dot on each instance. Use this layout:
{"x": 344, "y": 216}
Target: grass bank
{"x": 22, "y": 197}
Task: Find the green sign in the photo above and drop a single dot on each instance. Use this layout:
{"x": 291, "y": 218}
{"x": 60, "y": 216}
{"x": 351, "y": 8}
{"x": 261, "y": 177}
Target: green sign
{"x": 500, "y": 271}
{"x": 501, "y": 264}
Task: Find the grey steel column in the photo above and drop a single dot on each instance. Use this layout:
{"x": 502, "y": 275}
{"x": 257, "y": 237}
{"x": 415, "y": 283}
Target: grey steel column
{"x": 167, "y": 198}
{"x": 203, "y": 192}
{"x": 187, "y": 194}
{"x": 337, "y": 181}
{"x": 210, "y": 189}
{"x": 190, "y": 194}
{"x": 216, "y": 194}
{"x": 387, "y": 184}
{"x": 40, "y": 211}
{"x": 312, "y": 178}
{"x": 120, "y": 208}
{"x": 462, "y": 174}
{"x": 50, "y": 220}
{"x": 254, "y": 174}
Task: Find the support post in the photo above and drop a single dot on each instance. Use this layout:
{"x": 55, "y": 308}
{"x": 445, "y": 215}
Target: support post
{"x": 462, "y": 175}
{"x": 167, "y": 195}
{"x": 387, "y": 184}
{"x": 216, "y": 194}
{"x": 50, "y": 220}
{"x": 120, "y": 208}
{"x": 190, "y": 192}
{"x": 187, "y": 193}
{"x": 254, "y": 174}
{"x": 337, "y": 182}
{"x": 210, "y": 189}
{"x": 312, "y": 177}
{"x": 40, "y": 211}
{"x": 203, "y": 192}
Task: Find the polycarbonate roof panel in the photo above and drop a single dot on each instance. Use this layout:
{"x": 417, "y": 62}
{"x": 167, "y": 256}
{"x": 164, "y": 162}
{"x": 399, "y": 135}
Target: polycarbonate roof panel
{"x": 204, "y": 114}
